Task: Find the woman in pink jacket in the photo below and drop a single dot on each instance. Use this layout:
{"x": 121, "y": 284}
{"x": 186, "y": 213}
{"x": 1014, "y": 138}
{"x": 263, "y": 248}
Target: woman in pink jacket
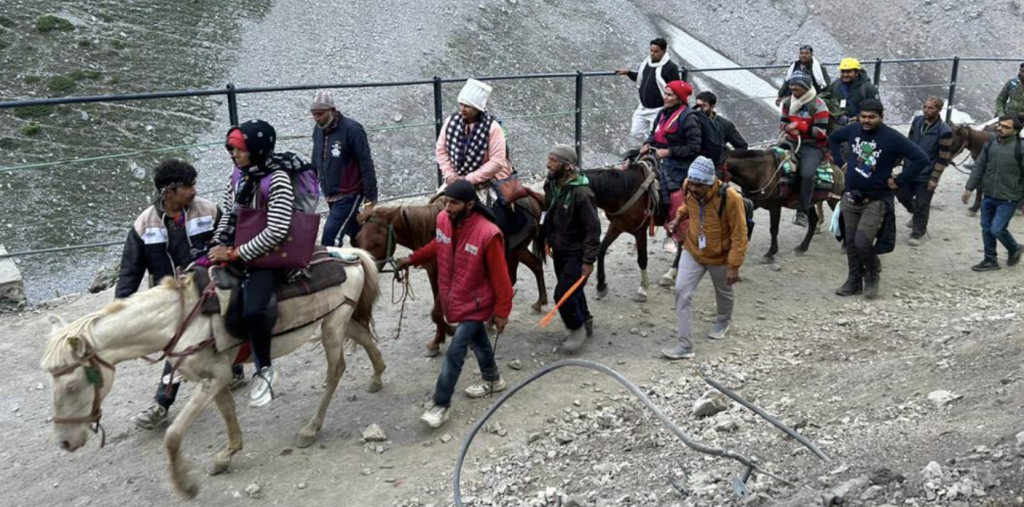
{"x": 471, "y": 146}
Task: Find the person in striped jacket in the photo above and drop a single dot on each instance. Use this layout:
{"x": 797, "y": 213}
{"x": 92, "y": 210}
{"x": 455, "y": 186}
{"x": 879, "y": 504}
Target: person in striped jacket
{"x": 805, "y": 123}
{"x": 251, "y": 145}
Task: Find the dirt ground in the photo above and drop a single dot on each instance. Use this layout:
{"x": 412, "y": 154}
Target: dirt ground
{"x": 853, "y": 375}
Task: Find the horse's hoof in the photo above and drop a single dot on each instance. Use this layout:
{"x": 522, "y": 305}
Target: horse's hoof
{"x": 189, "y": 490}
{"x": 305, "y": 439}
{"x": 768, "y": 259}
{"x": 537, "y": 307}
{"x": 217, "y": 468}
{"x": 799, "y": 251}
{"x": 375, "y": 386}
{"x": 431, "y": 351}
{"x": 602, "y": 293}
{"x": 639, "y": 298}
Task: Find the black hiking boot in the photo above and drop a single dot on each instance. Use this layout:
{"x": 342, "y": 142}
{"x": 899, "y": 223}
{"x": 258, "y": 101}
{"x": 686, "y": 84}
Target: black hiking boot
{"x": 872, "y": 268}
{"x": 986, "y": 265}
{"x": 589, "y": 326}
{"x": 855, "y": 277}
{"x": 1014, "y": 258}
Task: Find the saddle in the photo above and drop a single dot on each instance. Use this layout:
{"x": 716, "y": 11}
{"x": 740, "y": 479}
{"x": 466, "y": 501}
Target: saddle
{"x": 828, "y": 179}
{"x": 297, "y": 303}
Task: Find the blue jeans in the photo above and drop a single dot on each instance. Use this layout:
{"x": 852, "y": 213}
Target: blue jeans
{"x": 995, "y": 217}
{"x": 341, "y": 221}
{"x": 467, "y": 334}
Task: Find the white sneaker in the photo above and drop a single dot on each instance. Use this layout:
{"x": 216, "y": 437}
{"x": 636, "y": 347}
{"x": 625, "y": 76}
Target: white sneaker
{"x": 262, "y": 390}
{"x": 435, "y": 416}
{"x": 150, "y": 418}
{"x": 718, "y": 331}
{"x": 484, "y": 388}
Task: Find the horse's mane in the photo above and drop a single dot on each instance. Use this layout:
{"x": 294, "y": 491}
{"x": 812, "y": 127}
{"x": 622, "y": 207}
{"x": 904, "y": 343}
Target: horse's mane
{"x": 613, "y": 183}
{"x": 58, "y": 352}
{"x": 745, "y": 154}
{"x": 422, "y": 221}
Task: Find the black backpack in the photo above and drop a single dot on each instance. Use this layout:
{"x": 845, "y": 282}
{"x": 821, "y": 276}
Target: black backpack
{"x": 712, "y": 140}
{"x": 748, "y": 209}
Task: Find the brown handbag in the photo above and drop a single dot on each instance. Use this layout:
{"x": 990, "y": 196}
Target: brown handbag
{"x": 294, "y": 251}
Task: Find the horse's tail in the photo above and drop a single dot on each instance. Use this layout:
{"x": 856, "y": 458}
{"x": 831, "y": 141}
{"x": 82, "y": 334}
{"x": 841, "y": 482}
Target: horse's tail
{"x": 538, "y": 245}
{"x": 371, "y": 288}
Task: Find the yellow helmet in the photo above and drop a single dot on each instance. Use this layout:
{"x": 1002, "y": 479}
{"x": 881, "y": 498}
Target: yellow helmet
{"x": 849, "y": 64}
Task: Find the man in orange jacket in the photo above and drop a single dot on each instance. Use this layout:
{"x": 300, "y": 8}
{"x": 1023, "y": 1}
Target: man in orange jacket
{"x": 715, "y": 242}
{"x": 473, "y": 284}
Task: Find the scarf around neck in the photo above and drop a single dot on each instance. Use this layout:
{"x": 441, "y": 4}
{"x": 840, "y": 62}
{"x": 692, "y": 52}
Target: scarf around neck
{"x": 467, "y": 152}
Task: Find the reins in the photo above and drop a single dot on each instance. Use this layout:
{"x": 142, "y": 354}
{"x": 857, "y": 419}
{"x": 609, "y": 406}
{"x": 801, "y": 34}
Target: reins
{"x": 92, "y": 364}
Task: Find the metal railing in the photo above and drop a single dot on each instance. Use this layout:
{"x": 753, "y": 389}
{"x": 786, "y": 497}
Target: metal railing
{"x": 231, "y": 92}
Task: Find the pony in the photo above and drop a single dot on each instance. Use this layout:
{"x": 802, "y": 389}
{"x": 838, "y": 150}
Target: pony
{"x": 758, "y": 173}
{"x": 966, "y": 138}
{"x": 81, "y": 358}
{"x": 414, "y": 226}
{"x": 623, "y": 194}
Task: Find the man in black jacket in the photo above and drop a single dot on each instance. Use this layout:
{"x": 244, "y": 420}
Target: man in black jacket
{"x": 572, "y": 229}
{"x": 348, "y": 180}
{"x": 935, "y": 137}
{"x": 654, "y": 73}
{"x": 707, "y": 101}
{"x": 165, "y": 238}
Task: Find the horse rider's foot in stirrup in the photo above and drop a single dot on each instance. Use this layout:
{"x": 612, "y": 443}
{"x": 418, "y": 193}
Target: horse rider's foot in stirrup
{"x": 436, "y": 416}
{"x": 669, "y": 278}
{"x": 262, "y": 390}
{"x": 237, "y": 379}
{"x": 678, "y": 352}
{"x": 486, "y": 387}
{"x": 718, "y": 331}
{"x": 800, "y": 219}
{"x": 575, "y": 340}
{"x": 150, "y": 418}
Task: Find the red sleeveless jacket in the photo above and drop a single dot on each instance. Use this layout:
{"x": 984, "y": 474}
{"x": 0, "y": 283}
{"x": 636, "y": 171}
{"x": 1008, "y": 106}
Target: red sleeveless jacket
{"x": 464, "y": 285}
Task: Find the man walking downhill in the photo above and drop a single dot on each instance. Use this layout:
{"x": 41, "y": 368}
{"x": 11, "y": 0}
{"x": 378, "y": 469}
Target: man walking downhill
{"x": 935, "y": 138}
{"x": 652, "y": 77}
{"x": 573, "y": 230}
{"x": 867, "y": 205}
{"x": 716, "y": 243}
{"x": 1000, "y": 174}
{"x": 165, "y": 238}
{"x": 344, "y": 165}
{"x": 474, "y": 286}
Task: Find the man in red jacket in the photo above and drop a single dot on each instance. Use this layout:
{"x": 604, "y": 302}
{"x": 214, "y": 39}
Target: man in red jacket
{"x": 474, "y": 286}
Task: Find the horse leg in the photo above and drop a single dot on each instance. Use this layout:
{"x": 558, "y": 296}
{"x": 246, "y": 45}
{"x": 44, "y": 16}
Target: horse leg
{"x": 183, "y": 483}
{"x": 641, "y": 261}
{"x": 609, "y": 237}
{"x": 973, "y": 210}
{"x": 332, "y": 337}
{"x": 364, "y": 337}
{"x": 821, "y": 216}
{"x": 537, "y": 269}
{"x": 812, "y": 224}
{"x": 226, "y": 407}
{"x": 775, "y": 213}
{"x": 669, "y": 278}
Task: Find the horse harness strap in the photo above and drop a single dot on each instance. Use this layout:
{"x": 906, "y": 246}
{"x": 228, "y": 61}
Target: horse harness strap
{"x": 92, "y": 364}
{"x": 651, "y": 177}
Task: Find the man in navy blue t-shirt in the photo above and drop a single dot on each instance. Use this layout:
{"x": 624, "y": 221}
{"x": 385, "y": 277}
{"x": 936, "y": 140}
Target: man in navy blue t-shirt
{"x": 868, "y": 204}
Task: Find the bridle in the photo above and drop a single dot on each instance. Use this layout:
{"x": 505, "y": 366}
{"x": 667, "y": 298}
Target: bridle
{"x": 963, "y": 146}
{"x": 92, "y": 363}
{"x": 389, "y": 249}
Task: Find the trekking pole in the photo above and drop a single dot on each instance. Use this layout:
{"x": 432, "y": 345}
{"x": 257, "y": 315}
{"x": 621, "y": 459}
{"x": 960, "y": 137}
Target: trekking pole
{"x": 496, "y": 338}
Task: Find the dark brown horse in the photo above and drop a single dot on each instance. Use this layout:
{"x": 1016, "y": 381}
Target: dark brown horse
{"x": 971, "y": 140}
{"x": 759, "y": 174}
{"x": 623, "y": 195}
{"x": 414, "y": 226}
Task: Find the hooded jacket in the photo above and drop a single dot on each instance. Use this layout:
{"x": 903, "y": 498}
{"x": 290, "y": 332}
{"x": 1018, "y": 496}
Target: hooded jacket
{"x": 859, "y": 89}
{"x": 571, "y": 223}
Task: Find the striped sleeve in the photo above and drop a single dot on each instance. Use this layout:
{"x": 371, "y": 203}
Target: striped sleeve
{"x": 280, "y": 204}
{"x": 227, "y": 203}
{"x": 819, "y": 127}
{"x": 945, "y": 153}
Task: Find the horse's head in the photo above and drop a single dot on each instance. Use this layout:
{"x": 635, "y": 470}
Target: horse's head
{"x": 80, "y": 379}
{"x": 748, "y": 168}
{"x": 377, "y": 235}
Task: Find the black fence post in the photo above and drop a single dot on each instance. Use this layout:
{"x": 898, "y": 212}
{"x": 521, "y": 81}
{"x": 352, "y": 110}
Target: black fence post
{"x": 438, "y": 120}
{"x": 684, "y": 73}
{"x": 579, "y": 118}
{"x": 232, "y": 104}
{"x": 878, "y": 72}
{"x": 952, "y": 88}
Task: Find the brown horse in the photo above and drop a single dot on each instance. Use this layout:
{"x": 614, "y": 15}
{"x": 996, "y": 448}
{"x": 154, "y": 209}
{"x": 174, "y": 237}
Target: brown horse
{"x": 623, "y": 195}
{"x": 414, "y": 226}
{"x": 966, "y": 138}
{"x": 759, "y": 174}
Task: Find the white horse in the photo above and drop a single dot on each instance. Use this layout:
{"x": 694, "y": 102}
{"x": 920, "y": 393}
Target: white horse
{"x": 81, "y": 356}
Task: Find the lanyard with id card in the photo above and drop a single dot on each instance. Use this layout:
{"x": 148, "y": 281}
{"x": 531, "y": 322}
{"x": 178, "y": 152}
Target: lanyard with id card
{"x": 702, "y": 240}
